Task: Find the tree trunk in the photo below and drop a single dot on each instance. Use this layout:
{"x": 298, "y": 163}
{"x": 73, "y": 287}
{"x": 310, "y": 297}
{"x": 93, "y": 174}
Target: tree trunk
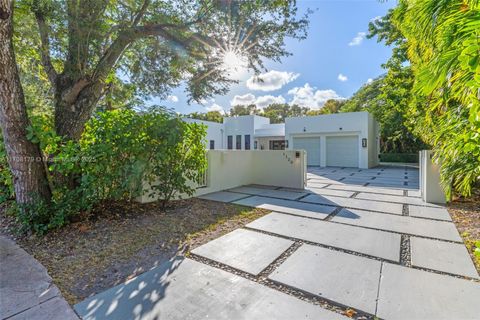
{"x": 24, "y": 157}
{"x": 74, "y": 105}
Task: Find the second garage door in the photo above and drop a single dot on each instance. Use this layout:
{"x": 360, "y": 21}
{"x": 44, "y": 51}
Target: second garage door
{"x": 312, "y": 146}
{"x": 342, "y": 151}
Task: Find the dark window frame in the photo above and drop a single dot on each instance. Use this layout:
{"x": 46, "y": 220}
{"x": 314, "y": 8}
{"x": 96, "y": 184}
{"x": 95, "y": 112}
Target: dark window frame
{"x": 247, "y": 142}
{"x": 229, "y": 142}
{"x": 277, "y": 144}
{"x": 212, "y": 144}
{"x": 238, "y": 142}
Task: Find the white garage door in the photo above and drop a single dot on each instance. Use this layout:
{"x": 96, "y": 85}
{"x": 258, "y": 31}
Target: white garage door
{"x": 342, "y": 151}
{"x": 312, "y": 146}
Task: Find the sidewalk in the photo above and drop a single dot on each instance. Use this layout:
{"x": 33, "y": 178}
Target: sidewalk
{"x": 26, "y": 289}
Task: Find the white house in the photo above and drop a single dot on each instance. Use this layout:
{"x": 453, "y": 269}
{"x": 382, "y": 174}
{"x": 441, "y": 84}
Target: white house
{"x": 348, "y": 139}
{"x": 341, "y": 139}
{"x": 215, "y": 133}
{"x": 249, "y": 132}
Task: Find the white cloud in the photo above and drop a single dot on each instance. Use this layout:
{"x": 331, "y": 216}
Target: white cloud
{"x": 342, "y": 77}
{"x": 370, "y": 80}
{"x": 308, "y": 96}
{"x": 264, "y": 101}
{"x": 172, "y": 98}
{"x": 358, "y": 39}
{"x": 245, "y": 99}
{"x": 216, "y": 107}
{"x": 270, "y": 81}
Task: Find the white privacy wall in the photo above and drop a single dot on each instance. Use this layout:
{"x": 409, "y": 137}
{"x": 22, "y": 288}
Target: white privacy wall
{"x": 233, "y": 168}
{"x": 360, "y": 124}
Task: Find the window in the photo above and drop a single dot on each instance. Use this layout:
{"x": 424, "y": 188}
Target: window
{"x": 212, "y": 144}
{"x": 255, "y": 145}
{"x": 277, "y": 144}
{"x": 238, "y": 142}
{"x": 230, "y": 142}
{"x": 247, "y": 142}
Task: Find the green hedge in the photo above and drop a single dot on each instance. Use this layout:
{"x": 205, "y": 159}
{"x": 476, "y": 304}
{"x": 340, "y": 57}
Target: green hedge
{"x": 399, "y": 157}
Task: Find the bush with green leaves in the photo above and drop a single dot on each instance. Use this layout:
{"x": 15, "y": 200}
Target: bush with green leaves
{"x": 118, "y": 153}
{"x": 179, "y": 161}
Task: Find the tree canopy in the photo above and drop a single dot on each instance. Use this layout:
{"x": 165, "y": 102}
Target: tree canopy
{"x": 100, "y": 51}
{"x": 436, "y": 67}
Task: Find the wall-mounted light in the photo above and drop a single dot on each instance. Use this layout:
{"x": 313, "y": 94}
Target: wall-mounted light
{"x": 297, "y": 154}
{"x": 364, "y": 142}
{"x": 304, "y": 129}
{"x": 340, "y": 128}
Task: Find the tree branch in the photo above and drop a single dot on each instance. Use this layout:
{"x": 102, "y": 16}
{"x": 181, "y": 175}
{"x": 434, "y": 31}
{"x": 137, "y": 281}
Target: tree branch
{"x": 127, "y": 36}
{"x": 45, "y": 48}
{"x": 140, "y": 13}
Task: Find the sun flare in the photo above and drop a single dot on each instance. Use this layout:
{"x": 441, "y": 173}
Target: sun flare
{"x": 233, "y": 62}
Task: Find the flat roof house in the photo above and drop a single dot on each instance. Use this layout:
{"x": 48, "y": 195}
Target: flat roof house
{"x": 341, "y": 139}
{"x": 250, "y": 132}
{"x": 349, "y": 139}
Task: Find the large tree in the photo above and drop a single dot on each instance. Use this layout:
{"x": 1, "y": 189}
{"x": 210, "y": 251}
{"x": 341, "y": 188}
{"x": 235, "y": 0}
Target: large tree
{"x": 155, "y": 44}
{"x": 24, "y": 157}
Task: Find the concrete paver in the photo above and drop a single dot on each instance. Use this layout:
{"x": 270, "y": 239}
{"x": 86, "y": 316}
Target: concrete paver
{"x": 393, "y": 208}
{"x": 223, "y": 196}
{"x": 287, "y": 195}
{"x": 429, "y": 212}
{"x": 380, "y": 244}
{"x": 442, "y": 256}
{"x": 407, "y": 293}
{"x": 330, "y": 192}
{"x": 186, "y": 289}
{"x": 391, "y": 198}
{"x": 395, "y": 192}
{"x": 404, "y": 224}
{"x": 26, "y": 286}
{"x": 292, "y": 207}
{"x": 244, "y": 250}
{"x": 344, "y": 278}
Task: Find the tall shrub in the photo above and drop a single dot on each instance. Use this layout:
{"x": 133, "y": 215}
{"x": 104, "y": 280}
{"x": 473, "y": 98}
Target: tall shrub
{"x": 179, "y": 161}
{"x": 119, "y": 151}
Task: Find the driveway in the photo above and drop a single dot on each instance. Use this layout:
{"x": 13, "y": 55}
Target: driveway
{"x": 355, "y": 241}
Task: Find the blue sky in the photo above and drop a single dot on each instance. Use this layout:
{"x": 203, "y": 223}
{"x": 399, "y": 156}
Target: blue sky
{"x": 334, "y": 61}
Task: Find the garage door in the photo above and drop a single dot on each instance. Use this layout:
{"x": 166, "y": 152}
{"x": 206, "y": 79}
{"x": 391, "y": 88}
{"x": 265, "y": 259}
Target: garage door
{"x": 342, "y": 151}
{"x": 312, "y": 146}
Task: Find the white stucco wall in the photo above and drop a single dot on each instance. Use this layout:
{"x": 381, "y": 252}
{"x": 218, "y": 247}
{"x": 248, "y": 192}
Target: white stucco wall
{"x": 233, "y": 168}
{"x": 215, "y": 131}
{"x": 243, "y": 125}
{"x": 351, "y": 123}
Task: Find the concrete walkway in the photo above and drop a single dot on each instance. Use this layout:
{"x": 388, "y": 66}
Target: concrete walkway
{"x": 26, "y": 290}
{"x": 360, "y": 239}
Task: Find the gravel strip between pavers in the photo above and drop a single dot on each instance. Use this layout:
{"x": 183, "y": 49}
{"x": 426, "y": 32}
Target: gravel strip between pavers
{"x": 305, "y": 296}
{"x": 277, "y": 262}
{"x": 405, "y": 211}
{"x": 405, "y": 252}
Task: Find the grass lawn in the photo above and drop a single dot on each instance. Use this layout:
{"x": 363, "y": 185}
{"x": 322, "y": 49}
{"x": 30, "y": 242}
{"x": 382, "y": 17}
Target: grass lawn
{"x": 466, "y": 215}
{"x": 121, "y": 240}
